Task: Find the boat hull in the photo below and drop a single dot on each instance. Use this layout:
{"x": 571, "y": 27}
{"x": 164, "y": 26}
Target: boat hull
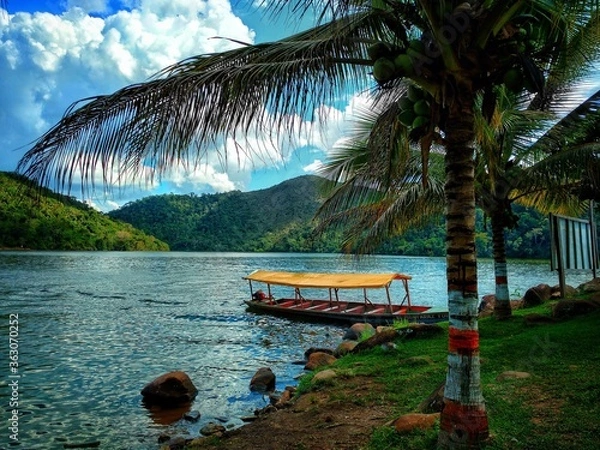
{"x": 345, "y": 313}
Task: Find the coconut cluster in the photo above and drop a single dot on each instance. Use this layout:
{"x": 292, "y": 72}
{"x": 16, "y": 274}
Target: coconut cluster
{"x": 390, "y": 61}
{"x": 508, "y": 56}
{"x": 524, "y": 40}
{"x": 415, "y": 108}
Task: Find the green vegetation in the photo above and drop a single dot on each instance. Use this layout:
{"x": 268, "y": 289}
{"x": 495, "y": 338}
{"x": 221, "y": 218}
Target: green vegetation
{"x": 42, "y": 220}
{"x": 556, "y": 407}
{"x": 277, "y": 219}
{"x": 280, "y": 219}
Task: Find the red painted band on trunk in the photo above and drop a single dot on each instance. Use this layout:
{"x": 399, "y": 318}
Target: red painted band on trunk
{"x": 466, "y": 424}
{"x": 463, "y": 342}
{"x": 501, "y": 280}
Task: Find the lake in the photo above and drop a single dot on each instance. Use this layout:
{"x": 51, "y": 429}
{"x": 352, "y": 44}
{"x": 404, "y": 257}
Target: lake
{"x": 95, "y": 327}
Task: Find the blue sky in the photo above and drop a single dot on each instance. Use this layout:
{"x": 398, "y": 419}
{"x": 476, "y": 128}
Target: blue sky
{"x": 53, "y": 53}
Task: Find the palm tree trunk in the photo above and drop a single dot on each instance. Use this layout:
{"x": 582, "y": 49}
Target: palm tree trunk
{"x": 464, "y": 423}
{"x": 502, "y": 308}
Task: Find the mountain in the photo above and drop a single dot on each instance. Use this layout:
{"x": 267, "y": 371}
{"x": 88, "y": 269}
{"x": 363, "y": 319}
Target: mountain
{"x": 274, "y": 219}
{"x": 277, "y": 219}
{"x": 280, "y": 219}
{"x": 37, "y": 218}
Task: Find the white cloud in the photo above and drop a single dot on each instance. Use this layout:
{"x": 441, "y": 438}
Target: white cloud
{"x": 49, "y": 61}
{"x": 313, "y": 167}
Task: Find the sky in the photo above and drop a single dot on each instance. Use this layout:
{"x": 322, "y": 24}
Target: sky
{"x": 55, "y": 52}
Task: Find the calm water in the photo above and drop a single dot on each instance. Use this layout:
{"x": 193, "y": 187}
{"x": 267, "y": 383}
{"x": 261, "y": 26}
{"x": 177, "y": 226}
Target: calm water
{"x": 94, "y": 328}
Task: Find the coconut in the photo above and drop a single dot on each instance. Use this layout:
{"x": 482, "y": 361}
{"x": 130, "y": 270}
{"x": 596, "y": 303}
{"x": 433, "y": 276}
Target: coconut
{"x": 513, "y": 80}
{"x": 404, "y": 64}
{"x": 420, "y": 121}
{"x": 383, "y": 70}
{"x": 406, "y": 104}
{"x": 407, "y": 117}
{"x": 414, "y": 93}
{"x": 378, "y": 50}
{"x": 422, "y": 108}
{"x": 416, "y": 45}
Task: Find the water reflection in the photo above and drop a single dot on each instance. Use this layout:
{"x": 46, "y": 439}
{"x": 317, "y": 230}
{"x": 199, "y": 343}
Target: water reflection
{"x": 166, "y": 416}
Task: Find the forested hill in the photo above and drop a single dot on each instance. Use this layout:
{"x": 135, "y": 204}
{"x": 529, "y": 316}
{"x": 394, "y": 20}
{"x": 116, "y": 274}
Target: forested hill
{"x": 279, "y": 219}
{"x": 40, "y": 219}
{"x": 273, "y": 219}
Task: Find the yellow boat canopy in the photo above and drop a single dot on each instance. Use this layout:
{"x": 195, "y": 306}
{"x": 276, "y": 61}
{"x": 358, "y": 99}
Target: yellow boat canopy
{"x": 326, "y": 280}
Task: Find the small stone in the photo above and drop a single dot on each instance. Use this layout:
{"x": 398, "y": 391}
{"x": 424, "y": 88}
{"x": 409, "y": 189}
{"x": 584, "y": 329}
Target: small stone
{"x": 512, "y": 375}
{"x": 263, "y": 380}
{"x": 345, "y": 347}
{"x": 163, "y": 437}
{"x": 319, "y": 359}
{"x": 192, "y": 416}
{"x": 356, "y": 331}
{"x": 284, "y": 399}
{"x": 410, "y": 422}
{"x": 211, "y": 428}
{"x": 324, "y": 375}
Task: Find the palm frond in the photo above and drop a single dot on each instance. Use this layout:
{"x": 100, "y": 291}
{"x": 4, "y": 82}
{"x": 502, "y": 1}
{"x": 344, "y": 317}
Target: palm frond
{"x": 201, "y": 101}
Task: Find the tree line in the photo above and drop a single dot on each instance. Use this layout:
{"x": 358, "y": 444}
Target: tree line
{"x": 281, "y": 219}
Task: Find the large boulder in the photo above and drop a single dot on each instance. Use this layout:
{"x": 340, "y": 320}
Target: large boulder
{"x": 376, "y": 340}
{"x": 170, "y": 390}
{"x": 312, "y": 350}
{"x": 263, "y": 380}
{"x": 570, "y": 292}
{"x": 319, "y": 359}
{"x": 590, "y": 286}
{"x": 537, "y": 295}
{"x": 565, "y": 309}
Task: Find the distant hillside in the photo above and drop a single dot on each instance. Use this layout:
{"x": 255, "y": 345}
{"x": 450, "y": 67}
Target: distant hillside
{"x": 43, "y": 220}
{"x": 273, "y": 219}
{"x": 279, "y": 219}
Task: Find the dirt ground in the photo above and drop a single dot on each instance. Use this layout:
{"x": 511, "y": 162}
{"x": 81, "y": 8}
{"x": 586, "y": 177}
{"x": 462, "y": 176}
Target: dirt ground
{"x": 329, "y": 419}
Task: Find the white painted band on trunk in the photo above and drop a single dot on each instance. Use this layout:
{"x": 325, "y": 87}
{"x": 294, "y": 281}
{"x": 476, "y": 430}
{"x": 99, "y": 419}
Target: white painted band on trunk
{"x": 502, "y": 292}
{"x": 501, "y": 269}
{"x": 463, "y": 384}
{"x": 460, "y": 307}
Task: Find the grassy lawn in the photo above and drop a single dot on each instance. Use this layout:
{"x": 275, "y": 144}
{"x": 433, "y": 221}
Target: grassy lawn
{"x": 557, "y": 407}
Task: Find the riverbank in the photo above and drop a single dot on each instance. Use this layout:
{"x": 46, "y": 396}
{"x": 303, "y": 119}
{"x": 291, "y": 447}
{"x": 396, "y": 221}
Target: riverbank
{"x": 556, "y": 405}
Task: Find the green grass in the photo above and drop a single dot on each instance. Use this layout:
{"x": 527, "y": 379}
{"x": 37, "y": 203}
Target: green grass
{"x": 556, "y": 407}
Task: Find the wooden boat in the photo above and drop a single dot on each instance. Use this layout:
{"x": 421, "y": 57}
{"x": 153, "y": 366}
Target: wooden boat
{"x": 333, "y": 308}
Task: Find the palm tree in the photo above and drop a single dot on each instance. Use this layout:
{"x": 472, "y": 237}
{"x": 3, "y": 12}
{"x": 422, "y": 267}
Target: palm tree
{"x": 513, "y": 164}
{"x": 451, "y": 50}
